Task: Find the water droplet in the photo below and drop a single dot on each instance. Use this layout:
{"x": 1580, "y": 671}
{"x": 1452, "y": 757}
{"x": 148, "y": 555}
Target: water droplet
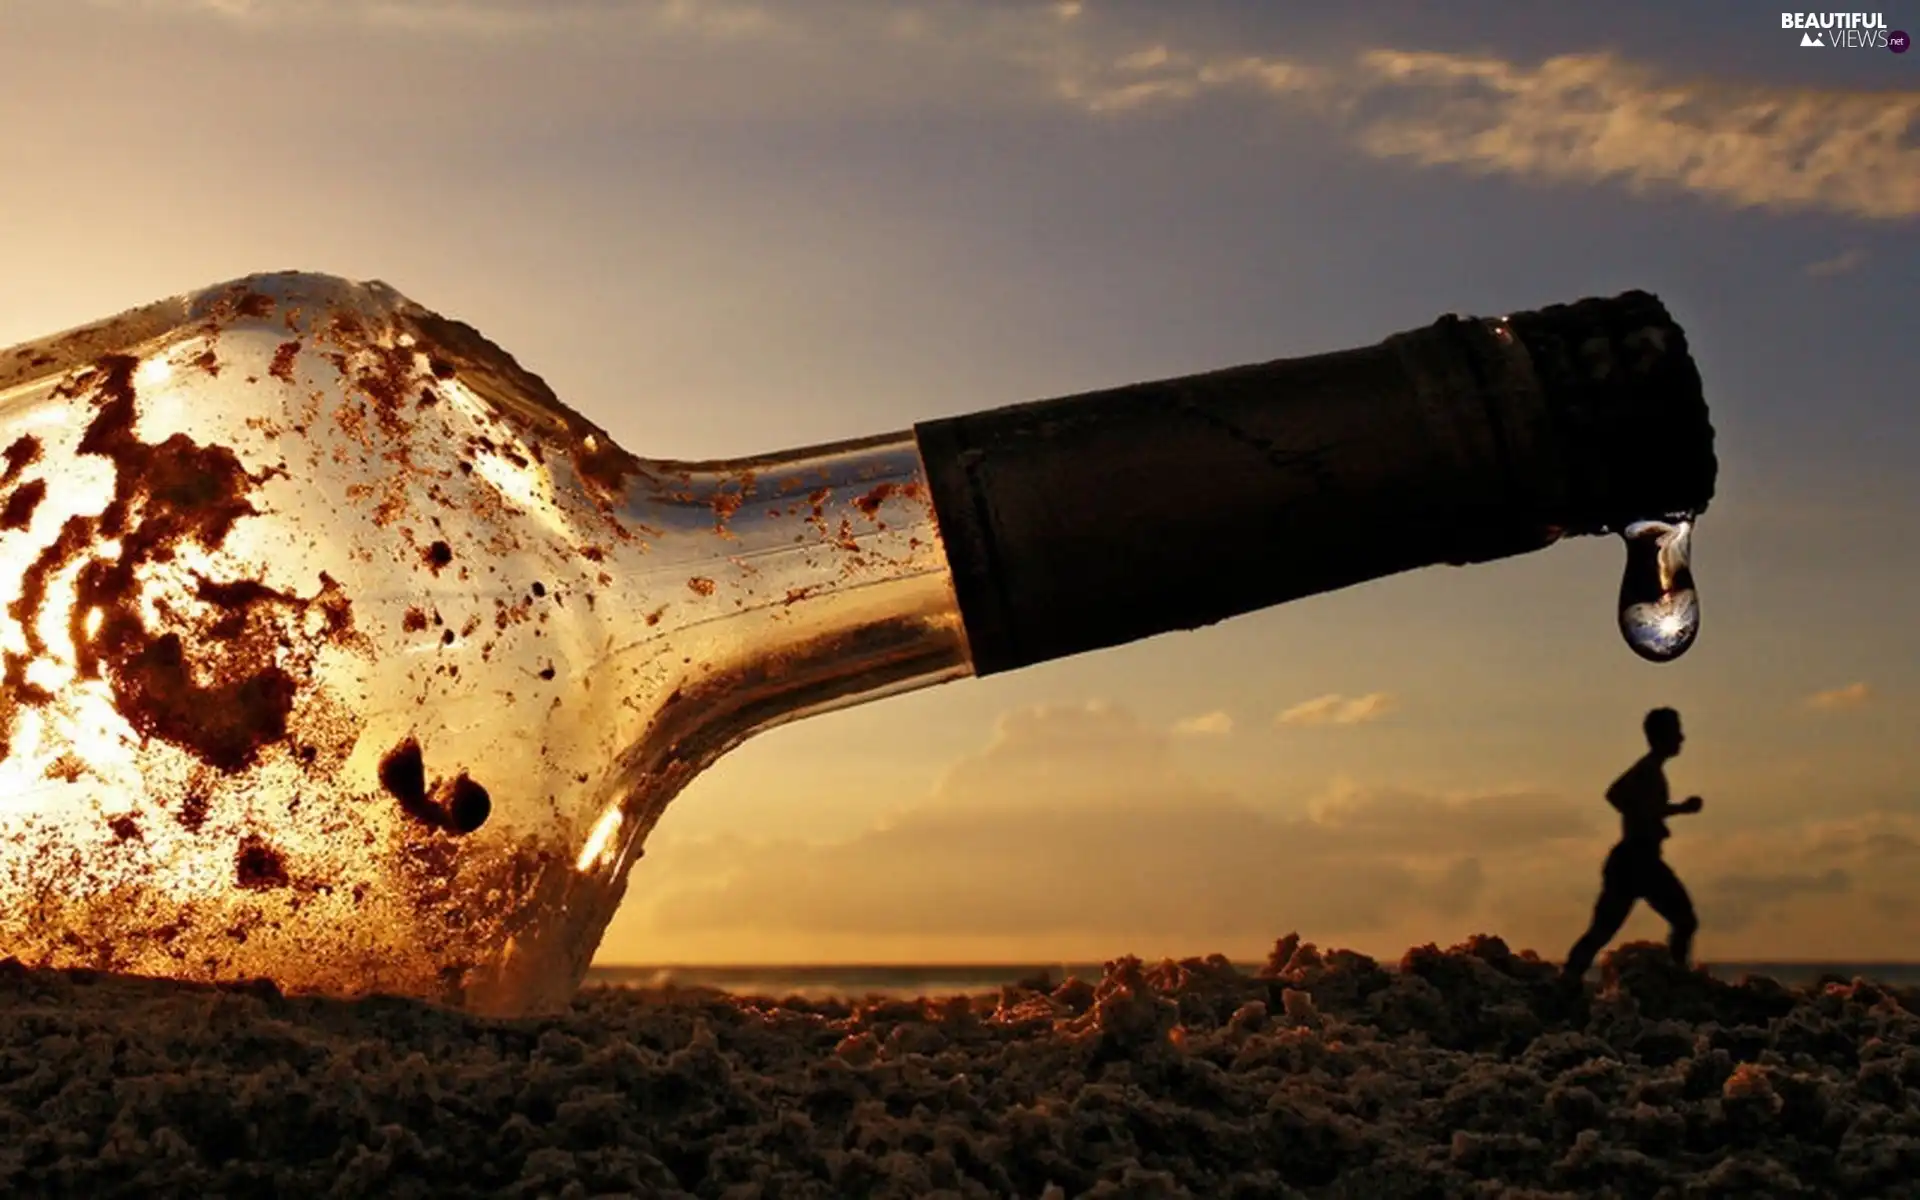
{"x": 1659, "y": 608}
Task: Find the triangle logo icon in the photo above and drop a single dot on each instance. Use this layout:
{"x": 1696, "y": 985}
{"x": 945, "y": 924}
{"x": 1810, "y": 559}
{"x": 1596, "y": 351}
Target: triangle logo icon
{"x": 1811, "y": 39}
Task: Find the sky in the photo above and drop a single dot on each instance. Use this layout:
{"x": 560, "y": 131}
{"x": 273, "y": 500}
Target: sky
{"x": 722, "y": 228}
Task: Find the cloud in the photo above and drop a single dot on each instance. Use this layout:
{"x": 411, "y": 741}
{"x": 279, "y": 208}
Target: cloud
{"x": 1573, "y": 119}
{"x": 1336, "y": 709}
{"x": 1577, "y": 118}
{"x": 482, "y": 18}
{"x": 1214, "y": 724}
{"x": 1401, "y": 821}
{"x": 1580, "y": 118}
{"x": 1594, "y": 118}
{"x": 1853, "y": 695}
{"x": 1891, "y": 904}
{"x": 1075, "y": 822}
{"x": 1065, "y": 756}
{"x": 1739, "y": 899}
{"x": 1869, "y": 843}
{"x": 1839, "y": 264}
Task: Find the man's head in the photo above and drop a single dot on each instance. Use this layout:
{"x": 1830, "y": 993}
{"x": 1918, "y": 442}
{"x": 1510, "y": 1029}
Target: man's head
{"x": 1663, "y": 731}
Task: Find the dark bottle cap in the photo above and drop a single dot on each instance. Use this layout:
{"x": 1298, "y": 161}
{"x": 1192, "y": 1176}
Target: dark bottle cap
{"x": 1627, "y": 406}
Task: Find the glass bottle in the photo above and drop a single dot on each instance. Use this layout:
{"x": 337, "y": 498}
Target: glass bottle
{"x": 338, "y": 651}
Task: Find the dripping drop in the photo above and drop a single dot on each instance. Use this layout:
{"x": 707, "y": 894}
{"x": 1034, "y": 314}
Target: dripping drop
{"x": 1659, "y": 606}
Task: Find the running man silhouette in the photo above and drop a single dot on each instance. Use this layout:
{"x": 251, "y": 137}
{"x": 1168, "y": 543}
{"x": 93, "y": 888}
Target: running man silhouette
{"x": 1635, "y": 870}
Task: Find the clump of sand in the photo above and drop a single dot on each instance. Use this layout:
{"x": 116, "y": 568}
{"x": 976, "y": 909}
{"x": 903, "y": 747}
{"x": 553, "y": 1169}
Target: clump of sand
{"x": 1462, "y": 1072}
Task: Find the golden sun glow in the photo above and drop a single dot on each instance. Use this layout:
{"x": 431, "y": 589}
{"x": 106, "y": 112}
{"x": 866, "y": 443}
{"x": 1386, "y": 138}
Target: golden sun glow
{"x": 153, "y": 372}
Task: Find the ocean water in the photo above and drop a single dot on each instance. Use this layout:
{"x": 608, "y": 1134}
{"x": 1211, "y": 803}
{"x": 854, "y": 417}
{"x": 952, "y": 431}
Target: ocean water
{"x": 896, "y": 981}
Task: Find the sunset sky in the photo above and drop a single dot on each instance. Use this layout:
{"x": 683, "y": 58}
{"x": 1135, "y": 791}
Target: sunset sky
{"x": 720, "y": 228}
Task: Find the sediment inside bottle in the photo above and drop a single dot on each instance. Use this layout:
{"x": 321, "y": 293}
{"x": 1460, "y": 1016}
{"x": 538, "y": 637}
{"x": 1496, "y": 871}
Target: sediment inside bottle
{"x": 338, "y": 652}
{"x": 187, "y": 694}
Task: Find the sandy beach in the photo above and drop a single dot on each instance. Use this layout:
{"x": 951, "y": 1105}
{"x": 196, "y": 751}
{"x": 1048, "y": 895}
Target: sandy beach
{"x": 1452, "y": 1073}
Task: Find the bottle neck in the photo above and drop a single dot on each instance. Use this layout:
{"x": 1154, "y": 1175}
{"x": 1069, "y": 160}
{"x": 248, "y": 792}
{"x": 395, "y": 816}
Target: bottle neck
{"x": 1093, "y": 520}
{"x": 783, "y": 586}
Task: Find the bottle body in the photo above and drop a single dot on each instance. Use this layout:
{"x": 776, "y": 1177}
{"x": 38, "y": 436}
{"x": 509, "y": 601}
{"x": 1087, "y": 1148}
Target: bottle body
{"x": 341, "y": 654}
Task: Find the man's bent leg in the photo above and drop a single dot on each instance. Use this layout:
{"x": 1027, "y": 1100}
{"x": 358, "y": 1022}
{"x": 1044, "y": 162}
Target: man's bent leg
{"x": 1609, "y": 914}
{"x": 1667, "y": 896}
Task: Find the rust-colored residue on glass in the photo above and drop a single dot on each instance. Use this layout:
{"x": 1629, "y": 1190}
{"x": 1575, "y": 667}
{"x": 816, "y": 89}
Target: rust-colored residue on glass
{"x": 197, "y": 646}
{"x": 335, "y": 650}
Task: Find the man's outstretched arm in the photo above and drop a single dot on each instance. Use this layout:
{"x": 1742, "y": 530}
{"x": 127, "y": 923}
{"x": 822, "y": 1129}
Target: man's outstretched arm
{"x": 1692, "y": 804}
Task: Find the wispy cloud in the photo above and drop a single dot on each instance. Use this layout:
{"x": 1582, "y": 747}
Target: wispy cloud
{"x": 1739, "y": 899}
{"x": 1853, "y": 695}
{"x": 1077, "y": 823}
{"x": 1402, "y": 821}
{"x": 482, "y": 18}
{"x": 1336, "y": 709}
{"x": 1839, "y": 264}
{"x": 1214, "y": 724}
{"x": 1594, "y": 118}
{"x": 1580, "y": 118}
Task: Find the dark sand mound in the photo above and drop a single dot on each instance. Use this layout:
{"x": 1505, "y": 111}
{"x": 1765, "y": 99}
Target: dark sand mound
{"x": 1464, "y": 1072}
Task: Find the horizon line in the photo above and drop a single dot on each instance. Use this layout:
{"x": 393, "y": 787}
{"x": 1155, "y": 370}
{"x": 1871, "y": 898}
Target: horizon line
{"x": 1034, "y": 964}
